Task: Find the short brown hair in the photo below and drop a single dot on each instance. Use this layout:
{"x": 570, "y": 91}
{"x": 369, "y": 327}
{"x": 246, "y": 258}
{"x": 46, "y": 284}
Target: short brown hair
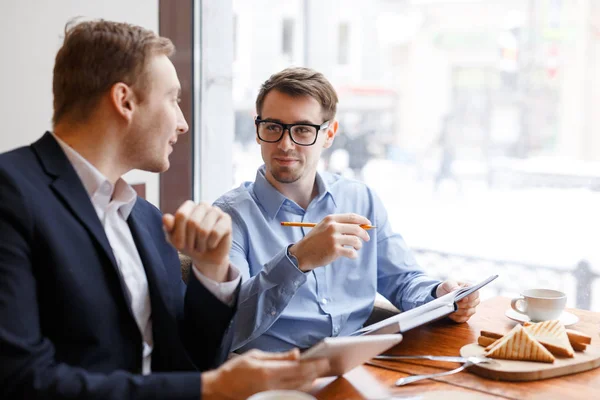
{"x": 299, "y": 81}
{"x": 94, "y": 56}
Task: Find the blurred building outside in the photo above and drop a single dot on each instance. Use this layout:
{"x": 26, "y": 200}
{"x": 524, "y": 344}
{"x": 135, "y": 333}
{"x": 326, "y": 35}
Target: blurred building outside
{"x": 473, "y": 120}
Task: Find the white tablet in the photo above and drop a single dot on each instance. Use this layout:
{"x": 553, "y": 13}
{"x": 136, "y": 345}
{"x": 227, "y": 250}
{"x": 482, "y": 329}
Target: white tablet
{"x": 347, "y": 352}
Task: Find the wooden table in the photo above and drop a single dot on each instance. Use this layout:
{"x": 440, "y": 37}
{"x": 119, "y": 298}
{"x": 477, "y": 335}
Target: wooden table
{"x": 446, "y": 338}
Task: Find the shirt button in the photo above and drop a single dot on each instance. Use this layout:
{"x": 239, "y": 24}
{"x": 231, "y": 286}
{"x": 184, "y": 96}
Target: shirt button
{"x": 273, "y": 312}
{"x": 106, "y": 188}
{"x": 323, "y": 301}
{"x": 336, "y": 330}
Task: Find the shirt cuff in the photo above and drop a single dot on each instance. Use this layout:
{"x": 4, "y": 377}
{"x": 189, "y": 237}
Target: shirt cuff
{"x": 283, "y": 269}
{"x": 434, "y": 290}
{"x": 291, "y": 258}
{"x": 224, "y": 291}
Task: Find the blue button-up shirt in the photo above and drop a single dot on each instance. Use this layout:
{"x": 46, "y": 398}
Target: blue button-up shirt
{"x": 281, "y": 307}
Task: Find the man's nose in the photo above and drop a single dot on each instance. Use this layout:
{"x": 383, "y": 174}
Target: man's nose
{"x": 286, "y": 141}
{"x": 182, "y": 126}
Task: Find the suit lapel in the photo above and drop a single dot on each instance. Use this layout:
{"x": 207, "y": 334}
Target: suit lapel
{"x": 79, "y": 202}
{"x": 68, "y": 186}
{"x": 153, "y": 262}
{"x": 169, "y": 352}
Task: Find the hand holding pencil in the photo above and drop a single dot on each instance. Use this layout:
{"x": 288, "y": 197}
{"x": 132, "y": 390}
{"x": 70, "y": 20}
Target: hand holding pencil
{"x": 312, "y": 225}
{"x": 337, "y": 235}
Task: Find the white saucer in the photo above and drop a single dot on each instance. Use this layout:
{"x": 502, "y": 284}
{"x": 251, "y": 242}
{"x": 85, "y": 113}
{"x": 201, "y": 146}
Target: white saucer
{"x": 566, "y": 318}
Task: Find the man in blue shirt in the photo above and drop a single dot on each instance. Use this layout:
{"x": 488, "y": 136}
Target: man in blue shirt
{"x": 303, "y": 284}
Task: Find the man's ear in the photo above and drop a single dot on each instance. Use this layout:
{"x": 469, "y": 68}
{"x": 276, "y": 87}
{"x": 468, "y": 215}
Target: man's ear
{"x": 122, "y": 99}
{"x": 256, "y": 129}
{"x": 331, "y": 132}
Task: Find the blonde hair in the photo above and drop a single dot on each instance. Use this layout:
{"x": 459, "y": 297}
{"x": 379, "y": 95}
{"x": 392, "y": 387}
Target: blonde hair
{"x": 94, "y": 56}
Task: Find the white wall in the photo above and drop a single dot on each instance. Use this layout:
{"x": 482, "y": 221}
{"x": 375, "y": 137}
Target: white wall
{"x": 30, "y": 35}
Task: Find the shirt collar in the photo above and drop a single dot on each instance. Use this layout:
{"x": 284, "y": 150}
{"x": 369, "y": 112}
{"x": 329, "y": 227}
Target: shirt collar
{"x": 272, "y": 200}
{"x": 98, "y": 187}
{"x": 269, "y": 197}
{"x": 324, "y": 187}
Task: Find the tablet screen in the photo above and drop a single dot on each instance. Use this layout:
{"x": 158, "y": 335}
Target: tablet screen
{"x": 345, "y": 353}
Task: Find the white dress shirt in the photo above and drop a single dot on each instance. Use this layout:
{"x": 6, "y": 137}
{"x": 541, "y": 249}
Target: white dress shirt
{"x": 113, "y": 204}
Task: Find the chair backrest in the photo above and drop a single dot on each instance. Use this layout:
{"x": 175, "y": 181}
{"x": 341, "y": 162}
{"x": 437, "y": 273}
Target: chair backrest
{"x": 186, "y": 266}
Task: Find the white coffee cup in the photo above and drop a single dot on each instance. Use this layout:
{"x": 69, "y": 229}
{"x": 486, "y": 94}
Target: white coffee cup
{"x": 540, "y": 304}
{"x": 281, "y": 395}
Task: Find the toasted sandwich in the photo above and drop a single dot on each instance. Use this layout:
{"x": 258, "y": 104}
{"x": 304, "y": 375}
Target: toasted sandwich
{"x": 553, "y": 335}
{"x": 519, "y": 344}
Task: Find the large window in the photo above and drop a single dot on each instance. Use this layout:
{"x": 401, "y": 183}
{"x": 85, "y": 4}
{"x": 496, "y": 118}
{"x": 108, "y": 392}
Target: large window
{"x": 343, "y": 47}
{"x": 287, "y": 38}
{"x": 474, "y": 121}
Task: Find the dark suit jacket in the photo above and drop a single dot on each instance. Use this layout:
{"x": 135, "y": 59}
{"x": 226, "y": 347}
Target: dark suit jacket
{"x": 66, "y": 327}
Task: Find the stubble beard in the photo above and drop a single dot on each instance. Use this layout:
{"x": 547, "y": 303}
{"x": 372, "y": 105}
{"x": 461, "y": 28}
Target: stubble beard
{"x": 285, "y": 174}
{"x": 145, "y": 158}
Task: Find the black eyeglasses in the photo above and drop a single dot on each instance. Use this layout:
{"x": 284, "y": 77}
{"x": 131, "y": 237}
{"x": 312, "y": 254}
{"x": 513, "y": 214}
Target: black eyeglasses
{"x": 301, "y": 134}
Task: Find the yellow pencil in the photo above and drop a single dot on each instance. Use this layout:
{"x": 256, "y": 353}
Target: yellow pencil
{"x": 312, "y": 225}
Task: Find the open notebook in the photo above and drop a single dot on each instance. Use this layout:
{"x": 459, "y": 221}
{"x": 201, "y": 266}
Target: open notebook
{"x": 424, "y": 314}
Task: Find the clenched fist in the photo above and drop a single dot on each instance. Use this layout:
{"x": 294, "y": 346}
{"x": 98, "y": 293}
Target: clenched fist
{"x": 203, "y": 233}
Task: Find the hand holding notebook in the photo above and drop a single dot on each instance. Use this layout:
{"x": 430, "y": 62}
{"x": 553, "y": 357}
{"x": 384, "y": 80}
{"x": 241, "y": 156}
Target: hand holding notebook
{"x": 436, "y": 309}
{"x": 466, "y": 307}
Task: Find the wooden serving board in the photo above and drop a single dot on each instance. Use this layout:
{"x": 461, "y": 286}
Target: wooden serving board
{"x": 508, "y": 370}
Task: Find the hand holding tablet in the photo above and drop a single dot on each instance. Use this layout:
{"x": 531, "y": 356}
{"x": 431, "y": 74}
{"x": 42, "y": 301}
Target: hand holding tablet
{"x": 345, "y": 353}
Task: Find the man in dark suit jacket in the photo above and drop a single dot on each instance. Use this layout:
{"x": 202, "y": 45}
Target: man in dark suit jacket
{"x": 92, "y": 305}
